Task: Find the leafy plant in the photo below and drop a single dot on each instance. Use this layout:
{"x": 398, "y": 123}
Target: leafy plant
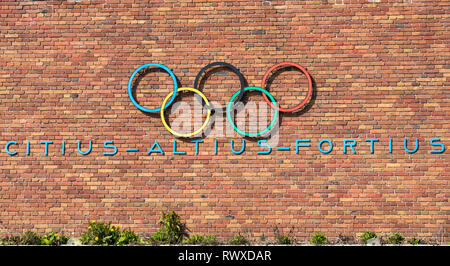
{"x": 239, "y": 240}
{"x": 30, "y": 238}
{"x": 128, "y": 237}
{"x": 210, "y": 240}
{"x": 54, "y": 239}
{"x": 396, "y": 238}
{"x": 100, "y": 233}
{"x": 283, "y": 239}
{"x": 415, "y": 241}
{"x": 159, "y": 238}
{"x": 171, "y": 230}
{"x": 201, "y": 240}
{"x": 319, "y": 239}
{"x": 367, "y": 235}
{"x": 11, "y": 240}
{"x": 194, "y": 240}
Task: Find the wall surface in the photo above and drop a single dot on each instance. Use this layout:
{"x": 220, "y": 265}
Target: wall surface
{"x": 381, "y": 70}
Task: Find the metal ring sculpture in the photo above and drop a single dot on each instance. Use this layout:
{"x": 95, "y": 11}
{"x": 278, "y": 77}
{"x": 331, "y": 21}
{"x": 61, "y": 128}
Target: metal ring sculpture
{"x": 310, "y": 86}
{"x": 163, "y": 119}
{"x": 232, "y": 68}
{"x": 168, "y": 100}
{"x": 247, "y": 134}
{"x": 130, "y": 93}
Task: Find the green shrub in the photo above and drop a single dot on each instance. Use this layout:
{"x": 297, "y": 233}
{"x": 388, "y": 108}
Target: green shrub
{"x": 100, "y": 233}
{"x": 104, "y": 234}
{"x": 194, "y": 240}
{"x": 171, "y": 230}
{"x": 283, "y": 239}
{"x": 239, "y": 240}
{"x": 200, "y": 240}
{"x": 211, "y": 240}
{"x": 11, "y": 240}
{"x": 396, "y": 238}
{"x": 318, "y": 239}
{"x": 367, "y": 235}
{"x": 54, "y": 239}
{"x": 30, "y": 238}
{"x": 128, "y": 237}
{"x": 159, "y": 238}
{"x": 415, "y": 241}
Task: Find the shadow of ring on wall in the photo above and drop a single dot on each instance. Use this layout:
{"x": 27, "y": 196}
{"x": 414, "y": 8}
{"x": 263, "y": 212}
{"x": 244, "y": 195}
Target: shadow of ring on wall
{"x": 141, "y": 75}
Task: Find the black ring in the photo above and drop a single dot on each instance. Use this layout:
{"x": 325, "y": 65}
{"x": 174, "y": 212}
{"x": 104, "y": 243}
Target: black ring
{"x": 235, "y": 70}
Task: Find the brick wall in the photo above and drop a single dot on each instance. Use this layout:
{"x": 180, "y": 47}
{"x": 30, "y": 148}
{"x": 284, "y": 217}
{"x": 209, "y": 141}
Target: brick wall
{"x": 380, "y": 69}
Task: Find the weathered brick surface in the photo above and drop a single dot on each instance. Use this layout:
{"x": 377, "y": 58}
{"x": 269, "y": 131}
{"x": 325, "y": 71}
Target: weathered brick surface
{"x": 381, "y": 71}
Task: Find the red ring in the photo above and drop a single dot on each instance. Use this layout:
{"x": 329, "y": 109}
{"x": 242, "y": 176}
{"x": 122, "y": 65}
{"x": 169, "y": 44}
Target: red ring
{"x": 310, "y": 86}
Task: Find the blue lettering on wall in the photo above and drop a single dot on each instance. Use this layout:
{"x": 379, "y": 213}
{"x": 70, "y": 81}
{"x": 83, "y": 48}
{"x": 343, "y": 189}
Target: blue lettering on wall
{"x": 152, "y": 149}
{"x": 7, "y": 148}
{"x": 196, "y": 145}
{"x": 46, "y": 142}
{"x": 329, "y": 149}
{"x": 175, "y": 149}
{"x": 84, "y": 152}
{"x": 405, "y": 145}
{"x": 433, "y": 143}
{"x": 351, "y": 145}
{"x": 261, "y": 143}
{"x": 372, "y": 141}
{"x": 301, "y": 143}
{"x": 240, "y": 151}
{"x": 110, "y": 145}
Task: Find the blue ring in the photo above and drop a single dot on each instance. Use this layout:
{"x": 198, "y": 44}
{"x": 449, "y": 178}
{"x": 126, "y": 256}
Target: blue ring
{"x": 175, "y": 88}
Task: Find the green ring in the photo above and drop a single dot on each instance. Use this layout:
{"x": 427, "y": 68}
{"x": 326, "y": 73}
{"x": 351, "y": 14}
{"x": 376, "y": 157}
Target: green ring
{"x": 274, "y": 119}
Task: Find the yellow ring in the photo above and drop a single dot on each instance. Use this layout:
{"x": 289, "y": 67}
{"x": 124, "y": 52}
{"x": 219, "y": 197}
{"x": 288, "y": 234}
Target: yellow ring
{"x": 173, "y": 131}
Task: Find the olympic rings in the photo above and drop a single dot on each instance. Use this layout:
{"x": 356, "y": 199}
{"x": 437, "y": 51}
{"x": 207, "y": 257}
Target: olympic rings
{"x": 247, "y": 134}
{"x": 310, "y": 86}
{"x": 232, "y": 68}
{"x": 130, "y": 93}
{"x": 208, "y": 114}
{"x": 168, "y": 100}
